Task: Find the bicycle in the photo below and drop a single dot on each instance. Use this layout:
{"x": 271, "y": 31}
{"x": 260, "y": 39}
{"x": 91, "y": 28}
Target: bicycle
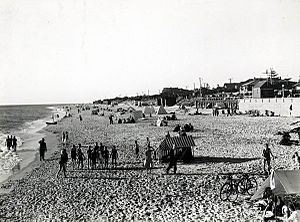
{"x": 247, "y": 184}
{"x": 229, "y": 190}
{"x": 233, "y": 187}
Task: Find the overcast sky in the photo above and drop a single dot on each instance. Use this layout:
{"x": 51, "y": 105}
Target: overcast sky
{"x": 57, "y": 51}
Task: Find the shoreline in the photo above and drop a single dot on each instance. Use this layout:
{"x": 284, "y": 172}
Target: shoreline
{"x": 28, "y": 152}
{"x": 31, "y": 163}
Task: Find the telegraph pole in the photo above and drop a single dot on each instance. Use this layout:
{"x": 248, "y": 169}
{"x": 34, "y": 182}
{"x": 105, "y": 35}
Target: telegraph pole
{"x": 200, "y": 86}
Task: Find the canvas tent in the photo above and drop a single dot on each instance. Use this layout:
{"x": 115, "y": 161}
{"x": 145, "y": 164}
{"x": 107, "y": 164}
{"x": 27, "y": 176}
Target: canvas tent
{"x": 148, "y": 110}
{"x": 283, "y": 182}
{"x": 161, "y": 110}
{"x": 137, "y": 115}
{"x": 130, "y": 109}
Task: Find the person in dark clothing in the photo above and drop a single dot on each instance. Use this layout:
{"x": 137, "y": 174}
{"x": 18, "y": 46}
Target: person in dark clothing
{"x": 73, "y": 155}
{"x": 14, "y": 144}
{"x": 89, "y": 156}
{"x": 42, "y": 149}
{"x": 111, "y": 119}
{"x": 106, "y": 157}
{"x": 80, "y": 156}
{"x": 97, "y": 151}
{"x": 8, "y": 142}
{"x": 137, "y": 149}
{"x": 267, "y": 158}
{"x": 114, "y": 156}
{"x": 173, "y": 161}
{"x": 63, "y": 162}
{"x": 94, "y": 158}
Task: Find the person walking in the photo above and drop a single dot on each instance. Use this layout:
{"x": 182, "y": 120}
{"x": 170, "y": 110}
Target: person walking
{"x": 63, "y": 162}
{"x": 137, "y": 149}
{"x": 173, "y": 160}
{"x": 114, "y": 156}
{"x": 42, "y": 149}
{"x": 73, "y": 155}
{"x": 267, "y": 158}
{"x": 80, "y": 156}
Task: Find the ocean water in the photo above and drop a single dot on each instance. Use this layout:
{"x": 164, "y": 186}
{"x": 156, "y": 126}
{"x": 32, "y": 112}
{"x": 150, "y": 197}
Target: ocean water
{"x": 24, "y": 122}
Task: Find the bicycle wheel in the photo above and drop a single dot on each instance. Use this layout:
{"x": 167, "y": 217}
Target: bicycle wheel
{"x": 241, "y": 186}
{"x": 233, "y": 195}
{"x": 251, "y": 185}
{"x": 225, "y": 191}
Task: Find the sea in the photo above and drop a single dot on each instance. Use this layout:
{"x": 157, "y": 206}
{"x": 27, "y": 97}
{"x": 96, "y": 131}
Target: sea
{"x": 25, "y": 123}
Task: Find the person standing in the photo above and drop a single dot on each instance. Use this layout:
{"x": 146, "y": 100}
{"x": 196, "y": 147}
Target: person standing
{"x": 8, "y": 142}
{"x": 42, "y": 149}
{"x": 14, "y": 144}
{"x": 106, "y": 157}
{"x": 73, "y": 155}
{"x": 137, "y": 149}
{"x": 63, "y": 137}
{"x": 267, "y": 158}
{"x": 111, "y": 119}
{"x": 296, "y": 161}
{"x": 80, "y": 156}
{"x": 149, "y": 161}
{"x": 94, "y": 158}
{"x": 66, "y": 137}
{"x": 63, "y": 162}
{"x": 114, "y": 156}
{"x": 89, "y": 156}
{"x": 97, "y": 151}
{"x": 173, "y": 160}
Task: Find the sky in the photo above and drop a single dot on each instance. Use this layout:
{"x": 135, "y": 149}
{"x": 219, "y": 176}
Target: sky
{"x": 75, "y": 51}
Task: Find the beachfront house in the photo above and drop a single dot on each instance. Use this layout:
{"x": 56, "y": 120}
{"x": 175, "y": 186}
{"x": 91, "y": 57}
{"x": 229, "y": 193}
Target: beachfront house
{"x": 276, "y": 87}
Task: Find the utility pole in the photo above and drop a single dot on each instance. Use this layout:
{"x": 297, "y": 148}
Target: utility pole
{"x": 230, "y": 80}
{"x": 200, "y": 86}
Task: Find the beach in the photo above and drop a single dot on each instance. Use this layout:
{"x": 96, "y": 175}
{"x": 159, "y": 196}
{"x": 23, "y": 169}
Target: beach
{"x": 231, "y": 144}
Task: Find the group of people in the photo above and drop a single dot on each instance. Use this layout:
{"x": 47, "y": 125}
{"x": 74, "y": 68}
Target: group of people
{"x": 96, "y": 156}
{"x": 11, "y": 143}
{"x": 275, "y": 207}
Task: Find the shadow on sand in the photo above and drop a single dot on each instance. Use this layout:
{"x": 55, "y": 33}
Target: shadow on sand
{"x": 209, "y": 159}
{"x": 97, "y": 178}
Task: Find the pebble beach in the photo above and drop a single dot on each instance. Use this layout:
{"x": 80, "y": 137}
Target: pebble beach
{"x": 231, "y": 144}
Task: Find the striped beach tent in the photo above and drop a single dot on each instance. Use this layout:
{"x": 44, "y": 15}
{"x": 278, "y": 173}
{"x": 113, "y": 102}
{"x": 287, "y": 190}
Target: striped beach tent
{"x": 183, "y": 147}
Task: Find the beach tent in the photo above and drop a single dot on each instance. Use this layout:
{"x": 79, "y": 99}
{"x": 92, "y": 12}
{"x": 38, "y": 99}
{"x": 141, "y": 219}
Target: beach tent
{"x": 148, "y": 110}
{"x": 282, "y": 182}
{"x": 130, "y": 109}
{"x": 137, "y": 114}
{"x": 183, "y": 147}
{"x": 161, "y": 110}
